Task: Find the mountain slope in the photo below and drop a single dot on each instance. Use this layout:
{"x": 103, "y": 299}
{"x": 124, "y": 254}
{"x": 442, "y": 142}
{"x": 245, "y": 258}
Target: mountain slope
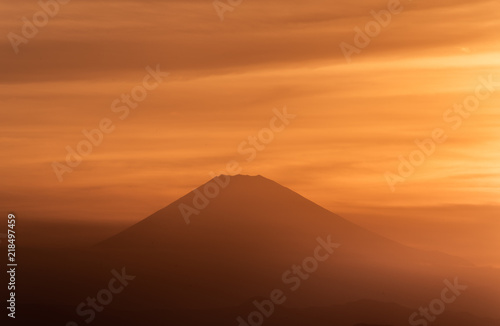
{"x": 250, "y": 234}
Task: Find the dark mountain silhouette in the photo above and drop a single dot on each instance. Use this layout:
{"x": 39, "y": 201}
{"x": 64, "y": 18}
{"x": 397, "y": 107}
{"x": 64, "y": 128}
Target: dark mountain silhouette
{"x": 255, "y": 229}
{"x": 239, "y": 247}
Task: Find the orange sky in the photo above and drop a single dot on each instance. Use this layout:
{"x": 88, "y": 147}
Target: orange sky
{"x": 353, "y": 120}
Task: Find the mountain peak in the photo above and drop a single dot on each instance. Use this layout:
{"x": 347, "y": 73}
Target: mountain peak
{"x": 241, "y": 176}
{"x": 246, "y": 181}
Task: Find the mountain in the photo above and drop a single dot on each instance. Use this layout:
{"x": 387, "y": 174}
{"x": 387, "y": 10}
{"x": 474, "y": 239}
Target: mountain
{"x": 249, "y": 245}
{"x": 254, "y": 230}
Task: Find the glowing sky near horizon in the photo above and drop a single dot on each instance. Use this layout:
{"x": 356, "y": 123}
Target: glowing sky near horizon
{"x": 353, "y": 120}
